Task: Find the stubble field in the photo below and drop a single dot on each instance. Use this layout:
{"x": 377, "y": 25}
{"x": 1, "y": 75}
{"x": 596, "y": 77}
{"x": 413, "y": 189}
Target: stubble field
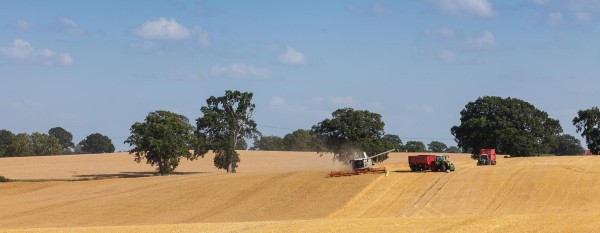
{"x": 291, "y": 192}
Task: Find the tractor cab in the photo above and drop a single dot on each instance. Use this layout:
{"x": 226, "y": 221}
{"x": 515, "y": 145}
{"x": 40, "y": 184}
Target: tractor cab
{"x": 441, "y": 158}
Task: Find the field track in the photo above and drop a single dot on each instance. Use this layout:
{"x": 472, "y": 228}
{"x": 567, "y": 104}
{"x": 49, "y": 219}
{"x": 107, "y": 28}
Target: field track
{"x": 291, "y": 192}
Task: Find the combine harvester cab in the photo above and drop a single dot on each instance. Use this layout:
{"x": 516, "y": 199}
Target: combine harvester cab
{"x": 486, "y": 157}
{"x": 362, "y": 165}
{"x": 430, "y": 162}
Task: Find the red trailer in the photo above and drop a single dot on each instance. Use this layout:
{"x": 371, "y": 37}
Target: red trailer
{"x": 487, "y": 157}
{"x": 420, "y": 162}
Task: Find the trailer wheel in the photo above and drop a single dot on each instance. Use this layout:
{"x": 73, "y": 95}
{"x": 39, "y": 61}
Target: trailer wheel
{"x": 412, "y": 168}
{"x": 493, "y": 162}
{"x": 433, "y": 168}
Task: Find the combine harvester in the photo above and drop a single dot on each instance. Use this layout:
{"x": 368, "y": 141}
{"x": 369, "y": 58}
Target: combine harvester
{"x": 362, "y": 165}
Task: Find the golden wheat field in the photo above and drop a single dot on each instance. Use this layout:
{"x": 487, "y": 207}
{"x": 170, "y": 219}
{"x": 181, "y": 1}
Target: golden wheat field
{"x": 291, "y": 192}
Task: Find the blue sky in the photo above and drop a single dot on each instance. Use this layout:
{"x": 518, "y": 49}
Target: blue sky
{"x": 100, "y": 66}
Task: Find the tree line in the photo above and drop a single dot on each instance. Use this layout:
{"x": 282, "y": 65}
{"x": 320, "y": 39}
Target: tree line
{"x": 57, "y": 141}
{"x": 509, "y": 125}
{"x": 305, "y": 140}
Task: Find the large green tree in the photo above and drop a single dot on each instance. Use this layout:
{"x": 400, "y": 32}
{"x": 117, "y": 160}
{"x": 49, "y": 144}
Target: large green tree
{"x": 65, "y": 138}
{"x": 6, "y": 138}
{"x": 511, "y": 126}
{"x": 271, "y": 143}
{"x": 568, "y": 145}
{"x": 44, "y": 144}
{"x": 436, "y": 146}
{"x": 587, "y": 123}
{"x": 350, "y": 132}
{"x": 415, "y": 146}
{"x": 97, "y": 143}
{"x": 226, "y": 120}
{"x": 162, "y": 139}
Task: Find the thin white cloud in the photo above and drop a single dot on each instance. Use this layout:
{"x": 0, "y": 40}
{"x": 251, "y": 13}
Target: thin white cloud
{"x": 239, "y": 71}
{"x": 481, "y": 8}
{"x": 277, "y": 101}
{"x": 293, "y": 57}
{"x": 22, "y": 51}
{"x": 163, "y": 29}
{"x": 376, "y": 8}
{"x": 343, "y": 100}
{"x": 556, "y": 18}
{"x": 447, "y": 56}
{"x": 485, "y": 41}
{"x": 24, "y": 25}
{"x": 70, "y": 26}
{"x": 540, "y": 2}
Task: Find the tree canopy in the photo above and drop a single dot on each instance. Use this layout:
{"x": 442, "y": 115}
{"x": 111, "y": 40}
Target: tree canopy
{"x": 511, "y": 126}
{"x": 6, "y": 138}
{"x": 415, "y": 146}
{"x": 301, "y": 140}
{"x": 44, "y": 144}
{"x": 392, "y": 141}
{"x": 162, "y": 139}
{"x": 242, "y": 144}
{"x": 587, "y": 123}
{"x": 97, "y": 143}
{"x": 452, "y": 149}
{"x": 350, "y": 132}
{"x": 65, "y": 138}
{"x": 21, "y": 145}
{"x": 568, "y": 145}
{"x": 226, "y": 120}
{"x": 24, "y": 144}
{"x": 271, "y": 143}
{"x": 436, "y": 146}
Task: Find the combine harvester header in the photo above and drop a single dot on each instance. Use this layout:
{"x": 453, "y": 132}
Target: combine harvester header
{"x": 362, "y": 166}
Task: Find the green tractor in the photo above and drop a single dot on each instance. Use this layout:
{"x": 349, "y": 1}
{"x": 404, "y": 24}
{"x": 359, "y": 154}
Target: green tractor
{"x": 442, "y": 164}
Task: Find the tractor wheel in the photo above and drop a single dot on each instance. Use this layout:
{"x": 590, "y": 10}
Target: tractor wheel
{"x": 478, "y": 163}
{"x": 443, "y": 168}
